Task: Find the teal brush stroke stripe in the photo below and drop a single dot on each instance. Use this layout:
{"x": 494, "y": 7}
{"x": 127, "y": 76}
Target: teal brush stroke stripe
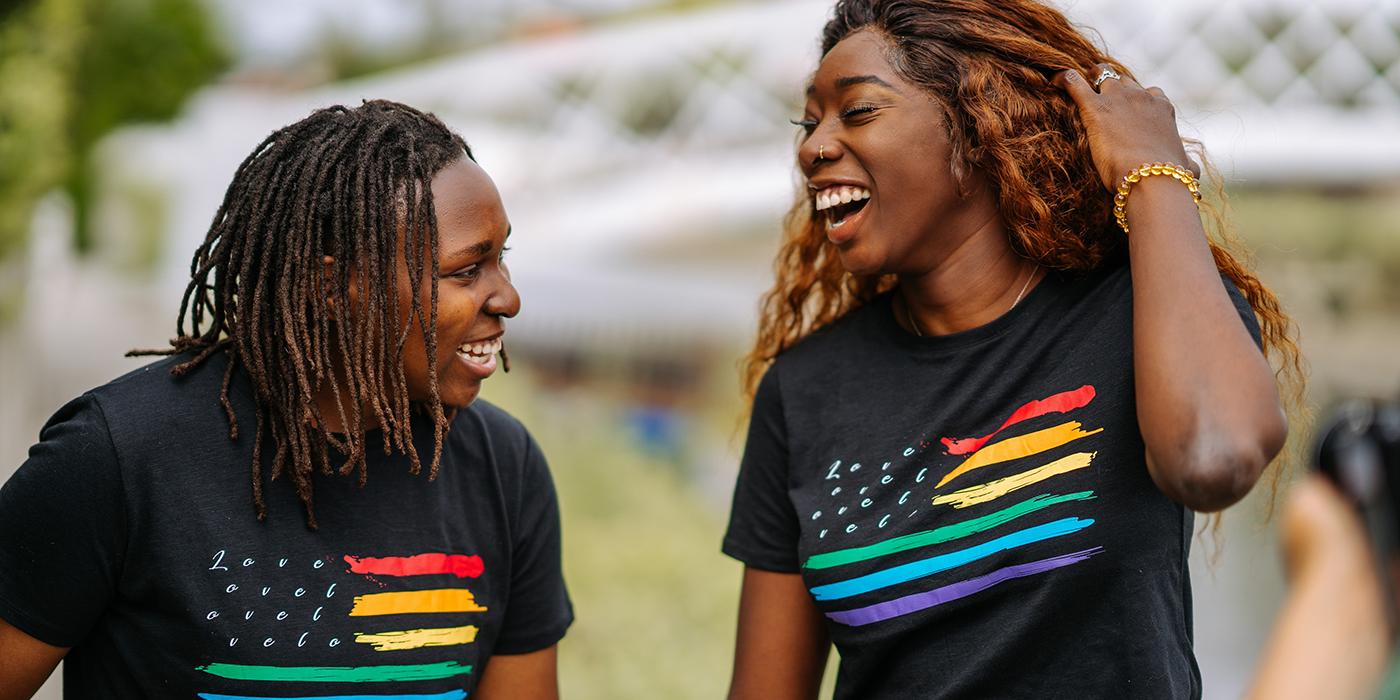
{"x": 943, "y": 534}
{"x": 338, "y": 674}
{"x": 449, "y": 695}
{"x": 943, "y": 562}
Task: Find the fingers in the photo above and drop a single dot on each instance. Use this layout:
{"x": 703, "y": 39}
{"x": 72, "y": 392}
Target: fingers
{"x": 1077, "y": 86}
{"x": 1115, "y": 80}
{"x": 1107, "y": 79}
{"x": 1318, "y": 523}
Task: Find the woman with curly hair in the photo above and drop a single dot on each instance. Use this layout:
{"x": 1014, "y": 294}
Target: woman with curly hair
{"x": 1002, "y": 364}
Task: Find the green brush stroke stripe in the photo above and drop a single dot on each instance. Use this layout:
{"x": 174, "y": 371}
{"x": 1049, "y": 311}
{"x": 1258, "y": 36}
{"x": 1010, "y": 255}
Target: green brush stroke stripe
{"x": 338, "y": 674}
{"x": 946, "y": 533}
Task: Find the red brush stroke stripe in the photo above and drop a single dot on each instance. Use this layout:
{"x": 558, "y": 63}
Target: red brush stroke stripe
{"x": 1059, "y": 403}
{"x": 459, "y": 565}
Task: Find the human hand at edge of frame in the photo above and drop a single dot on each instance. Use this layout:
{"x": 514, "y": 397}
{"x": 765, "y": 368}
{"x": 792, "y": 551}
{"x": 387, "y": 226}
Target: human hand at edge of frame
{"x": 1128, "y": 125}
{"x": 1331, "y": 638}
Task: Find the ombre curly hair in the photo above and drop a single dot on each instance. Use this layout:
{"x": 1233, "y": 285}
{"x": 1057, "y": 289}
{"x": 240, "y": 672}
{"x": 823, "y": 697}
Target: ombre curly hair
{"x": 989, "y": 64}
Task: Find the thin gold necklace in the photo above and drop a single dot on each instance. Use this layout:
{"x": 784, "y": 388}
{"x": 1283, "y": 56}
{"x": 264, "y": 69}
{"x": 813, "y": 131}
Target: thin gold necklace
{"x": 909, "y": 311}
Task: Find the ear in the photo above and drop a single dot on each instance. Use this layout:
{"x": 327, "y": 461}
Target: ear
{"x": 328, "y": 278}
{"x": 352, "y": 293}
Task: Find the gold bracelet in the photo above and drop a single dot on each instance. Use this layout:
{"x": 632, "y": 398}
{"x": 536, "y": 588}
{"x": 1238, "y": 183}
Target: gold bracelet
{"x": 1120, "y": 200}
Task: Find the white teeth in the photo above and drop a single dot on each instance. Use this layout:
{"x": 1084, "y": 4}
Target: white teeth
{"x": 839, "y": 194}
{"x": 480, "y": 352}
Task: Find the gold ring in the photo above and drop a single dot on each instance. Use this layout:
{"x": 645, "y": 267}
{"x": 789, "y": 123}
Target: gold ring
{"x": 821, "y": 152}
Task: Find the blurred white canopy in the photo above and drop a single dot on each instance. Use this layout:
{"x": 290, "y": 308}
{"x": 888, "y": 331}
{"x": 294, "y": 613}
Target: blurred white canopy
{"x": 619, "y": 144}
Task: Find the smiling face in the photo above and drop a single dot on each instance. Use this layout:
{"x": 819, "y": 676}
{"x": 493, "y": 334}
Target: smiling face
{"x": 475, "y": 294}
{"x": 879, "y": 164}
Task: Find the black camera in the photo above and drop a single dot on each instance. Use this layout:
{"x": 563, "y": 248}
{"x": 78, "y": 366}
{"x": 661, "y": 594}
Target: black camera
{"x": 1360, "y": 452}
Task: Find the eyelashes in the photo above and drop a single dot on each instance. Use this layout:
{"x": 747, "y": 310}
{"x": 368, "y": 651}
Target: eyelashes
{"x": 472, "y": 272}
{"x": 846, "y": 113}
{"x": 857, "y": 110}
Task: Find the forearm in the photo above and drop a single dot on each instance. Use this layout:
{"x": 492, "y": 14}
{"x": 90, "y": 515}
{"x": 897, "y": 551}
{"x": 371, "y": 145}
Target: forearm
{"x": 1332, "y": 637}
{"x": 1207, "y": 404}
{"x": 1328, "y": 642}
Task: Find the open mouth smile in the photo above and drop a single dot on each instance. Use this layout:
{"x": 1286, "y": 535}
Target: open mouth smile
{"x": 838, "y": 204}
{"x": 480, "y": 355}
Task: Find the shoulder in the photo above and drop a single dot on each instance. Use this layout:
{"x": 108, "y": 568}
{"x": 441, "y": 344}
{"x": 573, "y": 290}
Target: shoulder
{"x": 835, "y": 340}
{"x": 502, "y": 436}
{"x": 494, "y": 420}
{"x": 1111, "y": 287}
{"x": 1110, "y": 281}
{"x": 154, "y": 387}
{"x": 151, "y": 406}
{"x": 1114, "y": 280}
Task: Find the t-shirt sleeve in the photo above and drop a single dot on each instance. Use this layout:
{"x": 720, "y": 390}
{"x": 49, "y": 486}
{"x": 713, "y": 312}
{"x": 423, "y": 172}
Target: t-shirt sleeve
{"x": 763, "y": 529}
{"x": 539, "y": 611}
{"x": 1246, "y": 312}
{"x": 63, "y": 528}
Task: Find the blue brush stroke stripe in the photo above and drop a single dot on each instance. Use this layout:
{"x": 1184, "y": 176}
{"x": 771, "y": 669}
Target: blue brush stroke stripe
{"x": 917, "y": 602}
{"x": 943, "y": 562}
{"x": 449, "y": 695}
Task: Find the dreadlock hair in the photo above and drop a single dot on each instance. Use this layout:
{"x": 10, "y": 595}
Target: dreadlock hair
{"x": 989, "y": 65}
{"x": 353, "y": 184}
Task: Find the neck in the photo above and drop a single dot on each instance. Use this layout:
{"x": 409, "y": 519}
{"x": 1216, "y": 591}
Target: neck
{"x": 978, "y": 281}
{"x": 326, "y": 401}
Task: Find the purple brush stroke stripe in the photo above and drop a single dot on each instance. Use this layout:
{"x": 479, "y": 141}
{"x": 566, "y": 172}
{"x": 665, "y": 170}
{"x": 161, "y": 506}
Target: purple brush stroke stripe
{"x": 953, "y": 591}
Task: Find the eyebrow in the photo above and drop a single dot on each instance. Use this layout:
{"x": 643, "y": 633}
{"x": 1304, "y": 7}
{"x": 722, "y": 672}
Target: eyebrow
{"x": 478, "y": 249}
{"x": 849, "y": 80}
{"x": 475, "y": 250}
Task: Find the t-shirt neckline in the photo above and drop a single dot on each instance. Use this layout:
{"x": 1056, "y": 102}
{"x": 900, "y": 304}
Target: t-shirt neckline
{"x": 1034, "y": 302}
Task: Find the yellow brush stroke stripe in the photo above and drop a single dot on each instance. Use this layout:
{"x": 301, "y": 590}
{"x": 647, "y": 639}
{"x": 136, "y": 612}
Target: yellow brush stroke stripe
{"x": 993, "y": 490}
{"x": 439, "y": 600}
{"x": 414, "y": 639}
{"x": 1020, "y": 446}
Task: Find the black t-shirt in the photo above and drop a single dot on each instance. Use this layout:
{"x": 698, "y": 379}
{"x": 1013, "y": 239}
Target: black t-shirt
{"x": 972, "y": 513}
{"x": 129, "y": 534}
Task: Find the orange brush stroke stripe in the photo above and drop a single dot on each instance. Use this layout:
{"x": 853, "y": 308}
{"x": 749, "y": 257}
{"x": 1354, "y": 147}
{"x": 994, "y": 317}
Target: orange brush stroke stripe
{"x": 1020, "y": 446}
{"x": 1063, "y": 402}
{"x": 438, "y": 600}
{"x": 992, "y": 490}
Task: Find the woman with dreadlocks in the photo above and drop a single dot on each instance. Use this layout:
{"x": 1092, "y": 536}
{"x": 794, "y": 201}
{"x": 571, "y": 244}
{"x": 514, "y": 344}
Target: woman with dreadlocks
{"x": 346, "y": 305}
{"x": 1002, "y": 364}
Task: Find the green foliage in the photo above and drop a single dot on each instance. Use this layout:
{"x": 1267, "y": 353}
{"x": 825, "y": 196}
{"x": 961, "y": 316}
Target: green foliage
{"x": 139, "y": 61}
{"x": 73, "y": 70}
{"x": 38, "y": 52}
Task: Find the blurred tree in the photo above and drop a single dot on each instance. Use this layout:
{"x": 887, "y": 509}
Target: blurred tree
{"x": 38, "y": 57}
{"x": 139, "y": 61}
{"x": 73, "y": 70}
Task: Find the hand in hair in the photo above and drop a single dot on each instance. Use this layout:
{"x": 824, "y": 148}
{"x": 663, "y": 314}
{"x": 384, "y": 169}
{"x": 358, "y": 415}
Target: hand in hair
{"x": 1127, "y": 125}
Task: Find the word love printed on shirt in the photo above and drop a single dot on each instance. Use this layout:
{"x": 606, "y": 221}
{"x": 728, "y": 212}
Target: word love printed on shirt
{"x": 316, "y": 615}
